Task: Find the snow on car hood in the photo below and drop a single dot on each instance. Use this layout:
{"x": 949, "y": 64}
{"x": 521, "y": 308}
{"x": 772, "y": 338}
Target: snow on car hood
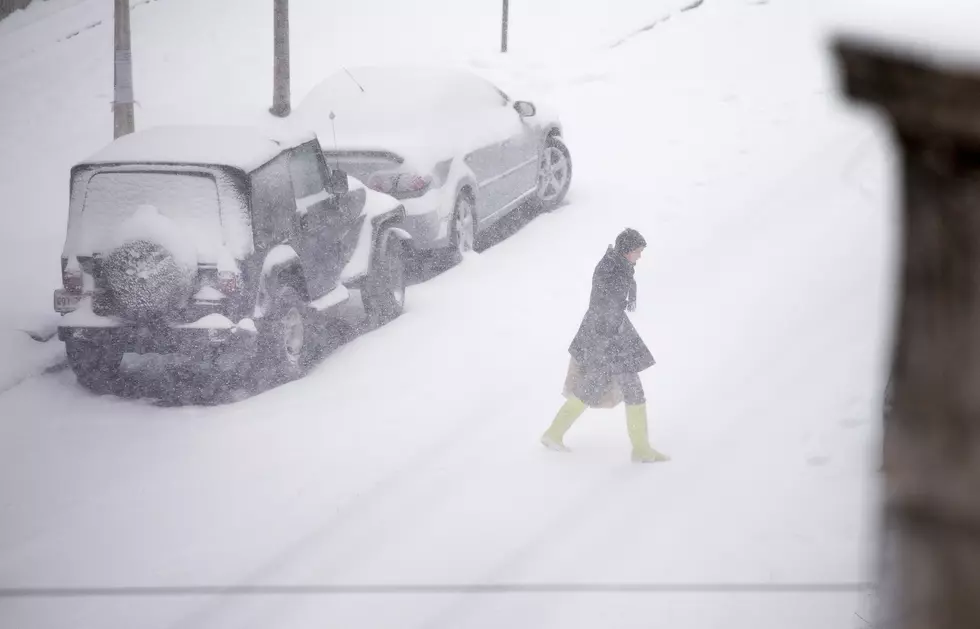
{"x": 419, "y": 147}
{"x": 422, "y": 143}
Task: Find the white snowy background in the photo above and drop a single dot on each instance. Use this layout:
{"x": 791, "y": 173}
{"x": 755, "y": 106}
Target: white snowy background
{"x": 410, "y": 456}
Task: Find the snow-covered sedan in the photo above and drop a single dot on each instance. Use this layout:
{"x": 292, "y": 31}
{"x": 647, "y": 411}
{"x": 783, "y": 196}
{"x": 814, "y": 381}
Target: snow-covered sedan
{"x": 457, "y": 151}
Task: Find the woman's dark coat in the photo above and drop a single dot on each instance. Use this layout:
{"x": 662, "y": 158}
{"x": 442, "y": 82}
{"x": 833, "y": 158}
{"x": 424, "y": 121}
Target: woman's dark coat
{"x": 607, "y": 343}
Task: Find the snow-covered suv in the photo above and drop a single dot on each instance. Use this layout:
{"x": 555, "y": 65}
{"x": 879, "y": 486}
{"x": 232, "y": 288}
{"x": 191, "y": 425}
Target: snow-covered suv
{"x": 213, "y": 241}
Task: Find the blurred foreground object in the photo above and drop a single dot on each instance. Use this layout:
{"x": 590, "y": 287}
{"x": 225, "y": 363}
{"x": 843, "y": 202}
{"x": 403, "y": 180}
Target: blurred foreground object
{"x": 931, "y": 519}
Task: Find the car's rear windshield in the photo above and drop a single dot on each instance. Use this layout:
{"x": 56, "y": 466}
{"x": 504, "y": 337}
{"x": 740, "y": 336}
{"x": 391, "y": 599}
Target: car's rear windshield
{"x": 189, "y": 199}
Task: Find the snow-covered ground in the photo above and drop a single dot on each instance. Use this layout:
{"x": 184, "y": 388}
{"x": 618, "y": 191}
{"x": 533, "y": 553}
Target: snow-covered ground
{"x": 410, "y": 456}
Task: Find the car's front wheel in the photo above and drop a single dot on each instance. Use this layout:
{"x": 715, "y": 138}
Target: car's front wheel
{"x": 384, "y": 294}
{"x": 95, "y": 366}
{"x": 463, "y": 235}
{"x": 554, "y": 174}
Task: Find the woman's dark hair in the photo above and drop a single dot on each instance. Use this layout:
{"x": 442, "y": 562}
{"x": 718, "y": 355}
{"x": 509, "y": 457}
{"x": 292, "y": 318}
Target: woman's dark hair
{"x": 629, "y": 240}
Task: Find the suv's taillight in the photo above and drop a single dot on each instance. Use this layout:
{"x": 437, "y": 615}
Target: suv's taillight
{"x": 229, "y": 282}
{"x": 71, "y": 275}
{"x": 400, "y": 185}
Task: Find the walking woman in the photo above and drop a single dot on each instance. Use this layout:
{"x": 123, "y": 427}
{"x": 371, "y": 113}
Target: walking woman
{"x": 609, "y": 351}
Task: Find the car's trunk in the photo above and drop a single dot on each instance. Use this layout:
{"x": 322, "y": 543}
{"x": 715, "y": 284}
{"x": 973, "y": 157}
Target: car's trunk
{"x": 362, "y": 164}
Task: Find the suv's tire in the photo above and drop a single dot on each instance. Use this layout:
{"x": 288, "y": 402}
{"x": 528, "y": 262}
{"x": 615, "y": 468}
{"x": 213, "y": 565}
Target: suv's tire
{"x": 145, "y": 281}
{"x": 554, "y": 174}
{"x": 284, "y": 343}
{"x": 96, "y": 366}
{"x": 384, "y": 291}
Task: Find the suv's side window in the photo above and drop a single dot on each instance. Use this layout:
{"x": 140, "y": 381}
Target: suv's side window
{"x": 309, "y": 178}
{"x": 273, "y": 203}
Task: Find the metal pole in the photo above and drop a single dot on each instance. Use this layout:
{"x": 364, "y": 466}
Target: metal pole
{"x": 931, "y": 519}
{"x": 503, "y": 26}
{"x": 280, "y": 79}
{"x": 122, "y": 106}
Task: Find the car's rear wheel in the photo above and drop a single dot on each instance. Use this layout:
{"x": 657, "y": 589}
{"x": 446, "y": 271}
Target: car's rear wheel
{"x": 284, "y": 343}
{"x": 554, "y": 174}
{"x": 384, "y": 294}
{"x": 95, "y": 366}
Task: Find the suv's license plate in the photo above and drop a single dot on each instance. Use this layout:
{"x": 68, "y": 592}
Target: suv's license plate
{"x": 65, "y": 301}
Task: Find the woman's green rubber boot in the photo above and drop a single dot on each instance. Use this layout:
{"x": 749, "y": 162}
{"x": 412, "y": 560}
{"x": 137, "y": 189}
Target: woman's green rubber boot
{"x": 567, "y": 414}
{"x": 636, "y": 426}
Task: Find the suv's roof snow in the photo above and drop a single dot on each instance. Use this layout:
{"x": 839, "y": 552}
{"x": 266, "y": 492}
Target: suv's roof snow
{"x": 245, "y": 148}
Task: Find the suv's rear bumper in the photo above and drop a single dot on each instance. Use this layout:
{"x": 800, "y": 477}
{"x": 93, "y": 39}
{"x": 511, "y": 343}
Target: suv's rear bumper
{"x": 163, "y": 339}
{"x": 203, "y": 336}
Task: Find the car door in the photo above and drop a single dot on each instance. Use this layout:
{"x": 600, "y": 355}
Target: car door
{"x": 485, "y": 161}
{"x": 513, "y": 158}
{"x": 325, "y": 228}
{"x": 522, "y": 152}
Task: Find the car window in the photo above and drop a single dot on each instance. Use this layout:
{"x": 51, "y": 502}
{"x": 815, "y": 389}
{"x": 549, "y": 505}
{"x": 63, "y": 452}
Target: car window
{"x": 306, "y": 172}
{"x": 273, "y": 202}
{"x": 190, "y": 200}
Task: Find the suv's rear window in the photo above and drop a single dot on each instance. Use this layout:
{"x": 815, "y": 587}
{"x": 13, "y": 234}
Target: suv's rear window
{"x": 189, "y": 199}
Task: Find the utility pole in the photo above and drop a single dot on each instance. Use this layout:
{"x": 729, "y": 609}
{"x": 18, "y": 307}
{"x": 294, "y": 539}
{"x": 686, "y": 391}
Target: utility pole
{"x": 503, "y": 26}
{"x": 122, "y": 105}
{"x": 280, "y": 79}
{"x": 930, "y": 576}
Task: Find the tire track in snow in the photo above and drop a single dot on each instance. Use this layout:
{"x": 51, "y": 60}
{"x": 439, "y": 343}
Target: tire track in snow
{"x": 74, "y": 34}
{"x": 597, "y": 497}
{"x": 651, "y": 25}
{"x": 68, "y": 33}
{"x": 392, "y": 483}
{"x": 56, "y": 367}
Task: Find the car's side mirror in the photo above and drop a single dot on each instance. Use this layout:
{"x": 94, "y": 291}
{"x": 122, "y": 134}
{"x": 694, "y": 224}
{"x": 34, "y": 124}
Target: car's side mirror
{"x": 337, "y": 182}
{"x": 525, "y": 109}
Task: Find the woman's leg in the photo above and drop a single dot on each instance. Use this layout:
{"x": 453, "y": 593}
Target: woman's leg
{"x": 636, "y": 419}
{"x": 586, "y": 390}
{"x": 632, "y": 388}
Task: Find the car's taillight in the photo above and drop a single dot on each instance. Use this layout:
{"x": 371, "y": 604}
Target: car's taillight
{"x": 400, "y": 185}
{"x": 71, "y": 276}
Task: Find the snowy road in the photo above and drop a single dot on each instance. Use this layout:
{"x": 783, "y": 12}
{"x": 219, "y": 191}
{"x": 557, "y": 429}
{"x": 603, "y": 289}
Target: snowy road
{"x": 410, "y": 456}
